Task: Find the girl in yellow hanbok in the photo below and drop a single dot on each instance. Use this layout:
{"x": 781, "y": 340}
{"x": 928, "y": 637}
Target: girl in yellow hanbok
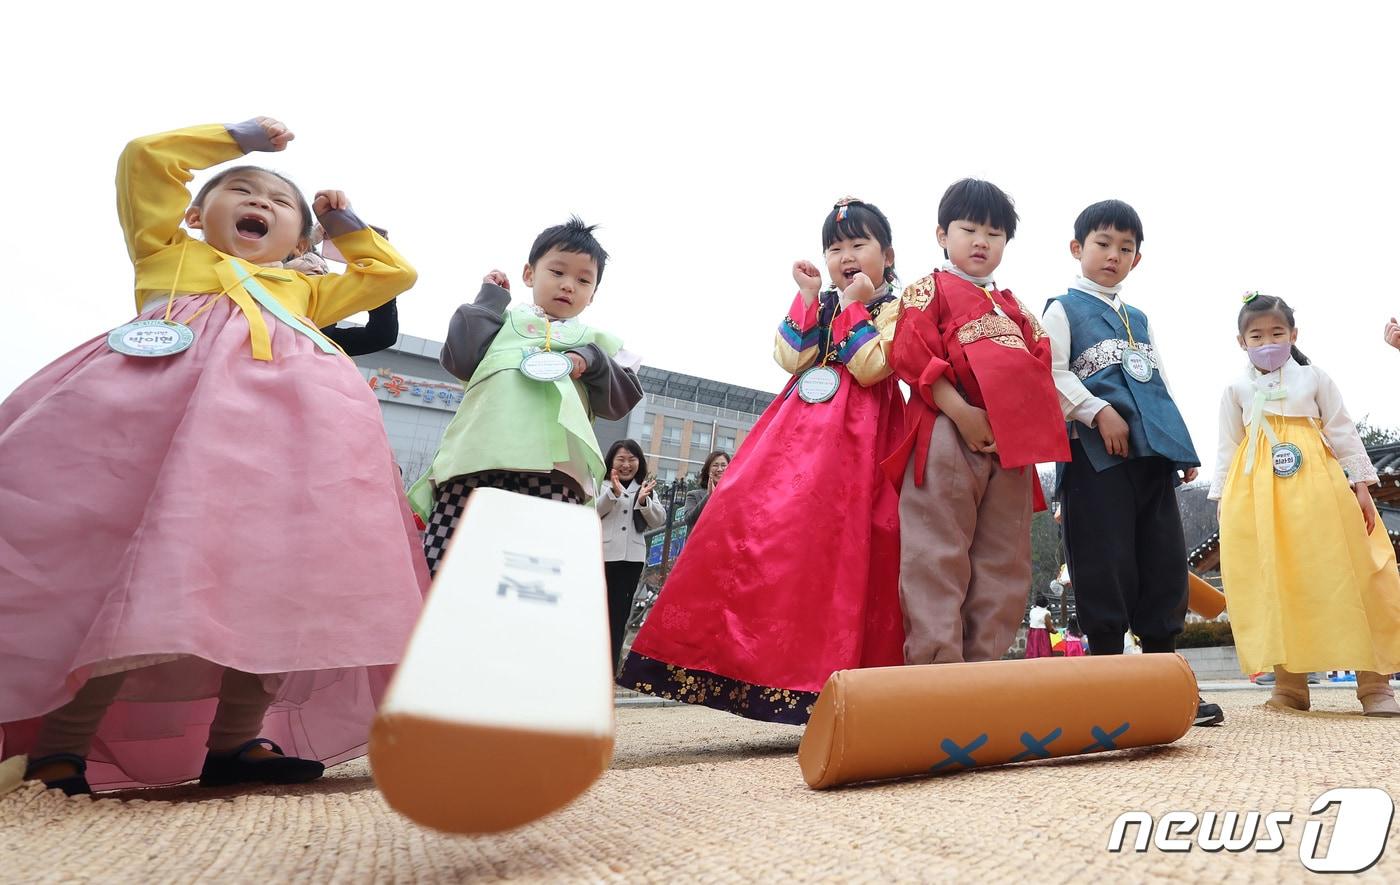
{"x": 1308, "y": 568}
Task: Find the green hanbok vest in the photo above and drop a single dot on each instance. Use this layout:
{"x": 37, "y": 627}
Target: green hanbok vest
{"x": 509, "y": 422}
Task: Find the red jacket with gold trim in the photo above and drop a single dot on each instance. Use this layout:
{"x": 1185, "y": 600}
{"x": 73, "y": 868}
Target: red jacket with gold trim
{"x": 994, "y": 351}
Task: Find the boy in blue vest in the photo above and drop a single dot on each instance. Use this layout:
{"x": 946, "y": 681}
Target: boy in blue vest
{"x": 1129, "y": 445}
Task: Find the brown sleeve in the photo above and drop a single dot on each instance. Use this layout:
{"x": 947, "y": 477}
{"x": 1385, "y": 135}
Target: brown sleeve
{"x": 612, "y": 390}
{"x": 472, "y": 329}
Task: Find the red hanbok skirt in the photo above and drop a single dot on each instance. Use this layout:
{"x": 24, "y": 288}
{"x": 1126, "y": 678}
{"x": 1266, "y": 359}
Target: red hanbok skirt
{"x": 793, "y": 572}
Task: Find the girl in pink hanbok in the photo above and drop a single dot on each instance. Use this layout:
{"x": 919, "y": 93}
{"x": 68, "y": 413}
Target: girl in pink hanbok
{"x": 206, "y": 554}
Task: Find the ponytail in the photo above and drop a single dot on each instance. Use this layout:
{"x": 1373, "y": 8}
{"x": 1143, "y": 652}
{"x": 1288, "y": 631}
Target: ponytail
{"x": 1298, "y": 356}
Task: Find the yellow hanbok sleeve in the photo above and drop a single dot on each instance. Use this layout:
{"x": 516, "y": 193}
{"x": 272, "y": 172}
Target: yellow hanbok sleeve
{"x": 375, "y": 271}
{"x": 151, "y": 177}
{"x": 795, "y": 346}
{"x": 866, "y": 340}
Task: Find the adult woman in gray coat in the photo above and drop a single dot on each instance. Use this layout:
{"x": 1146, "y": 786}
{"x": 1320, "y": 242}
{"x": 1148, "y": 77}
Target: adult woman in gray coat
{"x": 627, "y": 508}
{"x": 710, "y": 473}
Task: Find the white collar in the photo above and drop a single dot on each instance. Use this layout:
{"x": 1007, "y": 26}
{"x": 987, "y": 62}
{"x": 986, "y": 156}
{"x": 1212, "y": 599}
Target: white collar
{"x": 984, "y": 282}
{"x": 1088, "y": 286}
{"x": 1102, "y": 293}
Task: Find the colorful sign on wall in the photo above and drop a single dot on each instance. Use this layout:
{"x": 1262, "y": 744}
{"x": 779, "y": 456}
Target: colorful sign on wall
{"x": 392, "y": 387}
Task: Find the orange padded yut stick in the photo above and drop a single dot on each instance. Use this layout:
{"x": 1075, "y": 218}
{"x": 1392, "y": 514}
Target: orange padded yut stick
{"x": 1204, "y": 600}
{"x": 889, "y": 722}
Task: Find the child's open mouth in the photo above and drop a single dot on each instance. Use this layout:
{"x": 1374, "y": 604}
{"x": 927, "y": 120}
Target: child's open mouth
{"x": 850, "y": 272}
{"x": 565, "y": 299}
{"x": 251, "y": 227}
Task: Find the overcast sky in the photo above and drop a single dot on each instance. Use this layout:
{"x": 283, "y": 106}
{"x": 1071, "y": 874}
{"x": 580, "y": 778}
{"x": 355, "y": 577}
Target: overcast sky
{"x": 708, "y": 141}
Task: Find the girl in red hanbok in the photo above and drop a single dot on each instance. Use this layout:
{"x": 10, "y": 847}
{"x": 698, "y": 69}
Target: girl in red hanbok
{"x": 794, "y": 572}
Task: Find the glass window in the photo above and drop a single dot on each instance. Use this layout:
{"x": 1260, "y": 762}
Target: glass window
{"x": 700, "y": 438}
{"x": 671, "y": 431}
{"x": 647, "y": 425}
{"x": 667, "y": 471}
{"x": 724, "y": 439}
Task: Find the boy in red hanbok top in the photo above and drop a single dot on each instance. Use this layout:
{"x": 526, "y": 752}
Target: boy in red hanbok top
{"x": 983, "y": 412}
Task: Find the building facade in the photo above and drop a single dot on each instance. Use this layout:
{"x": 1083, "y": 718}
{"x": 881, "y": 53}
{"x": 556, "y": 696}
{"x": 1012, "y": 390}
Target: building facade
{"x": 683, "y": 418}
{"x": 680, "y": 420}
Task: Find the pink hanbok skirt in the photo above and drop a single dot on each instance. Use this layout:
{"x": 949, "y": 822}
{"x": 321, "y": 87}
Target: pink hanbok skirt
{"x": 1037, "y": 643}
{"x": 175, "y": 516}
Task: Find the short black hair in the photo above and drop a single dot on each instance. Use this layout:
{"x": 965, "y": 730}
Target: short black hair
{"x": 630, "y": 445}
{"x": 1041, "y": 601}
{"x": 852, "y": 219}
{"x": 307, "y": 219}
{"x": 980, "y": 202}
{"x": 1114, "y": 214}
{"x": 571, "y": 236}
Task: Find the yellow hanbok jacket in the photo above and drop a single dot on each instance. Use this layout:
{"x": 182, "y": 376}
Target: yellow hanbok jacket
{"x": 152, "y": 175}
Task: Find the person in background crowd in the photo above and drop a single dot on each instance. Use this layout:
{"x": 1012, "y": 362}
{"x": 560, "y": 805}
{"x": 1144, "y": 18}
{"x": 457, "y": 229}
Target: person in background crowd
{"x": 627, "y": 506}
{"x": 710, "y": 474}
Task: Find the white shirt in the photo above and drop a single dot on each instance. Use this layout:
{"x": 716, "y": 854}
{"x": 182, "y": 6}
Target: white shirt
{"x": 1308, "y": 393}
{"x": 1076, "y": 402}
{"x": 1038, "y": 616}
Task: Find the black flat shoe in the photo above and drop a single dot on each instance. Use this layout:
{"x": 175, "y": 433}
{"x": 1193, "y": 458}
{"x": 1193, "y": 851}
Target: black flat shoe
{"x": 227, "y": 769}
{"x": 74, "y": 785}
{"x": 1208, "y": 714}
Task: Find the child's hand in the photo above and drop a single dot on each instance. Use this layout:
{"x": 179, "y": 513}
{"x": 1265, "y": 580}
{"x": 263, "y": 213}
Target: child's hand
{"x": 327, "y": 201}
{"x": 1114, "y": 431}
{"x": 617, "y": 486}
{"x": 860, "y": 288}
{"x": 1392, "y": 333}
{"x": 497, "y": 278}
{"x": 976, "y": 430}
{"x": 1189, "y": 475}
{"x": 808, "y": 279}
{"x": 579, "y": 365}
{"x": 277, "y": 132}
{"x": 1368, "y": 507}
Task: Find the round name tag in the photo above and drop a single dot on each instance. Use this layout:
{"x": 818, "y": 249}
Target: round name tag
{"x": 150, "y": 338}
{"x": 546, "y": 365}
{"x": 819, "y": 384}
{"x": 1137, "y": 365}
{"x": 1288, "y": 460}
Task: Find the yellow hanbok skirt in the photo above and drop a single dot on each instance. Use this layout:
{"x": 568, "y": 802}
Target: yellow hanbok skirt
{"x": 1305, "y": 586}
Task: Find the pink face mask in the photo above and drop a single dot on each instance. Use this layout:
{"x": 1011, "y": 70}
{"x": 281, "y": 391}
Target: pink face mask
{"x": 1270, "y": 357}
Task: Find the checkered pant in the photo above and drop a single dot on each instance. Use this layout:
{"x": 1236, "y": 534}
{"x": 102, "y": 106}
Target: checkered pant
{"x": 452, "y": 500}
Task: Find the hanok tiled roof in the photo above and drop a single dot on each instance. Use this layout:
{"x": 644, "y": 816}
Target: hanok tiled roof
{"x": 1206, "y": 556}
{"x": 1387, "y": 461}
